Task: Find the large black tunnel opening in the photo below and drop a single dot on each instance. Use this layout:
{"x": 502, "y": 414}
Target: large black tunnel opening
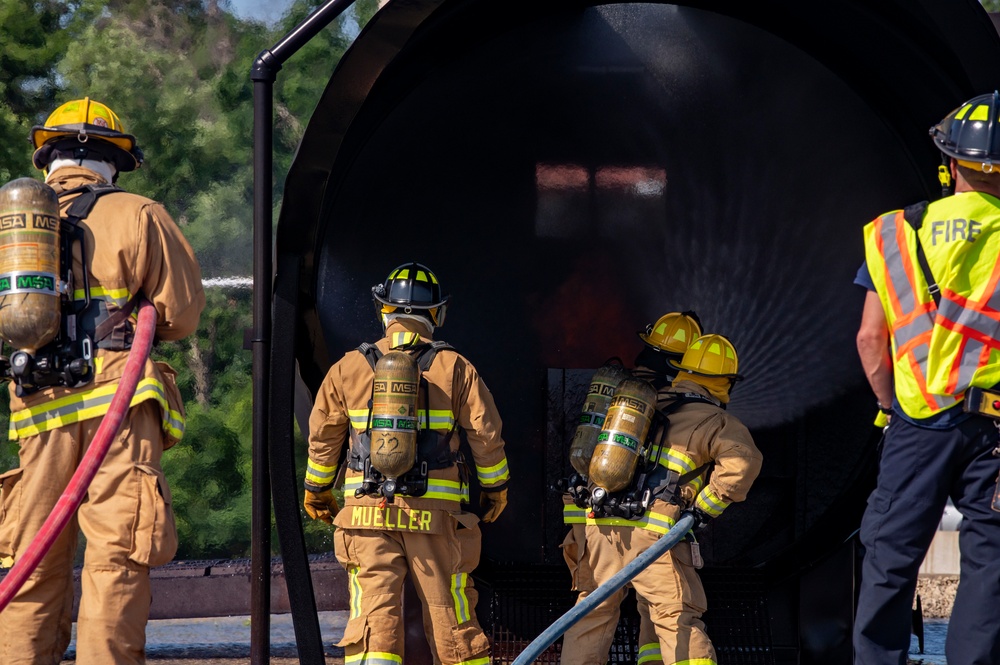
{"x": 574, "y": 171}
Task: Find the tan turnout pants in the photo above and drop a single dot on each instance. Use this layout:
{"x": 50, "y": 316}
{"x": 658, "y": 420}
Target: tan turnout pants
{"x": 377, "y": 563}
{"x": 574, "y": 547}
{"x": 128, "y": 523}
{"x": 670, "y": 586}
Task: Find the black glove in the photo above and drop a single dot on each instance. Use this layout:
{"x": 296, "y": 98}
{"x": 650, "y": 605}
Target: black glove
{"x": 700, "y": 518}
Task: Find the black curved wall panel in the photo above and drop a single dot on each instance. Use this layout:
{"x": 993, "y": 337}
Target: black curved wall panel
{"x": 573, "y": 172}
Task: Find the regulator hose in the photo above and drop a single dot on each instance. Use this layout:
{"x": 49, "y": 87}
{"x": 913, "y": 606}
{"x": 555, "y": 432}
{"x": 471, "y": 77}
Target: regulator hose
{"x": 601, "y": 593}
{"x": 76, "y": 490}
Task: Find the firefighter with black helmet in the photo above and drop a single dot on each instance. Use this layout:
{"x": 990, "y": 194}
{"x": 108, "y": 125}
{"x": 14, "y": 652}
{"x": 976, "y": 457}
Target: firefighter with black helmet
{"x": 700, "y": 460}
{"x": 400, "y": 521}
{"x": 116, "y": 248}
{"x": 929, "y": 342}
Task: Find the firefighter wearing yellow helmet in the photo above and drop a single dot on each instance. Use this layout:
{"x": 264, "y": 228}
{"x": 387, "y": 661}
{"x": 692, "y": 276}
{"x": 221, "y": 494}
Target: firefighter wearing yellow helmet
{"x": 704, "y": 460}
{"x": 665, "y": 339}
{"x": 403, "y": 522}
{"x": 123, "y": 247}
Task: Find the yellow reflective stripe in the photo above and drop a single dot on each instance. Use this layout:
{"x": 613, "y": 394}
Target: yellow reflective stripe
{"x": 359, "y": 418}
{"x": 91, "y": 404}
{"x": 710, "y": 503}
{"x": 373, "y": 658}
{"x": 485, "y": 660}
{"x": 461, "y": 600}
{"x": 355, "y": 588}
{"x": 440, "y": 419}
{"x": 491, "y": 475}
{"x": 574, "y": 514}
{"x": 117, "y": 296}
{"x": 317, "y": 474}
{"x": 403, "y": 339}
{"x": 981, "y": 112}
{"x": 696, "y": 661}
{"x": 649, "y": 653}
{"x": 656, "y": 522}
{"x": 675, "y": 460}
{"x": 445, "y": 490}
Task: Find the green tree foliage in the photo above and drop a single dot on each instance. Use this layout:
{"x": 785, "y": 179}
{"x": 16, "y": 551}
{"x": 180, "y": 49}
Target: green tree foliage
{"x": 32, "y": 38}
{"x": 991, "y": 5}
{"x": 209, "y": 469}
{"x": 177, "y": 72}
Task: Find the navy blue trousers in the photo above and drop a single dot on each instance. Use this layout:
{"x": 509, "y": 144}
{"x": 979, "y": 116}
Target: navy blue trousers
{"x": 918, "y": 470}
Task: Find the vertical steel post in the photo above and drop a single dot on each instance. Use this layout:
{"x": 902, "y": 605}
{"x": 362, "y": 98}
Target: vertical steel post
{"x": 260, "y": 522}
{"x": 306, "y": 623}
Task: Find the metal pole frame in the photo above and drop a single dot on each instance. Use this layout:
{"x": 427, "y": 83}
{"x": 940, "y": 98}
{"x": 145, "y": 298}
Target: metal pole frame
{"x": 296, "y": 564}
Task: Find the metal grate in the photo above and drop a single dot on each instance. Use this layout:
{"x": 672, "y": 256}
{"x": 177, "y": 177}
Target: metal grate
{"x": 525, "y": 600}
{"x": 737, "y": 618}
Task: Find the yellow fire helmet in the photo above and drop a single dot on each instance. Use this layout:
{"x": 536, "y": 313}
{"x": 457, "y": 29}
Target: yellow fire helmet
{"x": 710, "y": 355}
{"x": 672, "y": 332}
{"x": 71, "y": 128}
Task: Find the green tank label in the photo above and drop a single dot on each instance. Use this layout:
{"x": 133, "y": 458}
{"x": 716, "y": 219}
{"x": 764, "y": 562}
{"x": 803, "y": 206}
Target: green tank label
{"x": 618, "y": 439}
{"x": 390, "y": 423}
{"x": 27, "y": 283}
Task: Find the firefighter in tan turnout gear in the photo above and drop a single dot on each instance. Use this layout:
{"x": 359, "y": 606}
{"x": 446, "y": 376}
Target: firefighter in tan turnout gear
{"x": 127, "y": 247}
{"x": 691, "y": 457}
{"x": 664, "y": 340}
{"x": 397, "y": 404}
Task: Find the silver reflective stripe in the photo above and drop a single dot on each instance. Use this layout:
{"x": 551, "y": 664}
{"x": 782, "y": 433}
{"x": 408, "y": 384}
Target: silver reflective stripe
{"x": 982, "y": 323}
{"x": 919, "y": 326}
{"x": 969, "y": 363}
{"x": 894, "y": 263}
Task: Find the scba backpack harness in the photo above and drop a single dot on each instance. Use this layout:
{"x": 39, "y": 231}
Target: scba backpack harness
{"x": 433, "y": 450}
{"x": 86, "y": 324}
{"x": 652, "y": 479}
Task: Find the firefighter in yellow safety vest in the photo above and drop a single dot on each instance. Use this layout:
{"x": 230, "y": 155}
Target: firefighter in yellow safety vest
{"x": 706, "y": 461}
{"x": 929, "y": 341}
{"x": 132, "y": 249}
{"x": 398, "y": 405}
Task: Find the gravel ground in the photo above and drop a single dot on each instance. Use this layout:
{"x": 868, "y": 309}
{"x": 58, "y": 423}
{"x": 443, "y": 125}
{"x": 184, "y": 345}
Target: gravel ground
{"x": 226, "y": 640}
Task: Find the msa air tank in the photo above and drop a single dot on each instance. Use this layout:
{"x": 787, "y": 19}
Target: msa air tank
{"x": 29, "y": 264}
{"x": 621, "y": 440}
{"x": 595, "y": 411}
{"x": 394, "y": 414}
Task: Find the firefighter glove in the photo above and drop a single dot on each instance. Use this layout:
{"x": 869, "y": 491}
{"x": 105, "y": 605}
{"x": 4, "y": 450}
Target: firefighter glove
{"x": 493, "y": 503}
{"x": 700, "y": 518}
{"x": 321, "y": 505}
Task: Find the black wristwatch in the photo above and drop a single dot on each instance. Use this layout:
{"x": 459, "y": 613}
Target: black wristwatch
{"x": 884, "y": 409}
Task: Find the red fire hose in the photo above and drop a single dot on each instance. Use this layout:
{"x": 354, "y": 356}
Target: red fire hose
{"x": 73, "y": 496}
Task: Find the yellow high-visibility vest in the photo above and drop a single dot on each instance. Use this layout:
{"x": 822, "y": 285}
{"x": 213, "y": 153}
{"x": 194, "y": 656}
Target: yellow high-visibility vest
{"x": 939, "y": 351}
